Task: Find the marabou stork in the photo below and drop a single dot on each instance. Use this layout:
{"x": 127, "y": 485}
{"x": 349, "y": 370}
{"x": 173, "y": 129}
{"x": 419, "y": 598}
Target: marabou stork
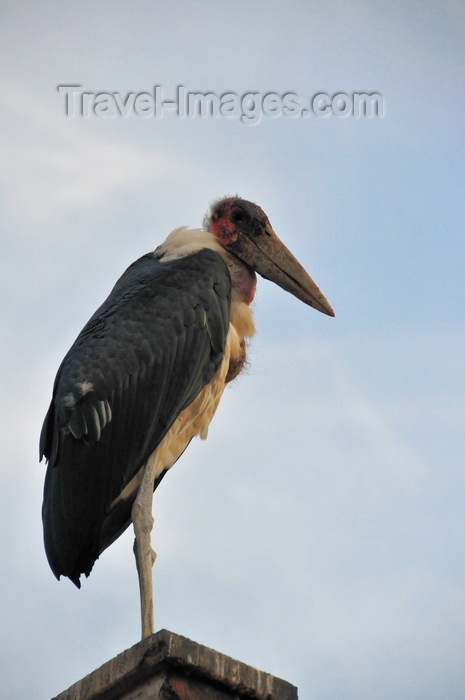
{"x": 146, "y": 374}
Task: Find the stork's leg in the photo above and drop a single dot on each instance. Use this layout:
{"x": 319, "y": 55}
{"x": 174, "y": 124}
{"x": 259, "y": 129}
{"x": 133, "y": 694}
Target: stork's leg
{"x": 145, "y": 556}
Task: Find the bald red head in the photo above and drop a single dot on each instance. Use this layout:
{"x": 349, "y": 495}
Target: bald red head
{"x": 233, "y": 215}
{"x": 243, "y": 228}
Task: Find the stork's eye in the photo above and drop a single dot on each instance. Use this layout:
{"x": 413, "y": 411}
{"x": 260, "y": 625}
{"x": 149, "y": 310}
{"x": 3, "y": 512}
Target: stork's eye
{"x": 237, "y": 217}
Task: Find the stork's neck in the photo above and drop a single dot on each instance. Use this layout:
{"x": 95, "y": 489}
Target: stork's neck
{"x": 243, "y": 278}
{"x": 184, "y": 241}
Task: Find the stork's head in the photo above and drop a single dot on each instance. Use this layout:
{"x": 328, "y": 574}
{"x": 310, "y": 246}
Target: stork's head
{"x": 243, "y": 228}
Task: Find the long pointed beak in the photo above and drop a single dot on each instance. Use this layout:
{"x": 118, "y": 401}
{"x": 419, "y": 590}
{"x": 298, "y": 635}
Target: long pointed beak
{"x": 268, "y": 255}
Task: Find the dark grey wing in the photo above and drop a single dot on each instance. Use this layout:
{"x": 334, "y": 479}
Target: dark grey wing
{"x": 141, "y": 359}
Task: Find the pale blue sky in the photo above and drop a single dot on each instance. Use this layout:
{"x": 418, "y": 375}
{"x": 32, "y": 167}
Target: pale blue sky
{"x": 319, "y": 532}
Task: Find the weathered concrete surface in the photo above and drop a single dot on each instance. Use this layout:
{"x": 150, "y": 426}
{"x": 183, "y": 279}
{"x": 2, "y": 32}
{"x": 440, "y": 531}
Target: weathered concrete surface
{"x": 166, "y": 666}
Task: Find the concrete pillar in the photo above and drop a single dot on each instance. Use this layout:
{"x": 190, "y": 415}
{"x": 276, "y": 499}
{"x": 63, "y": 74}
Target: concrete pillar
{"x": 166, "y": 666}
